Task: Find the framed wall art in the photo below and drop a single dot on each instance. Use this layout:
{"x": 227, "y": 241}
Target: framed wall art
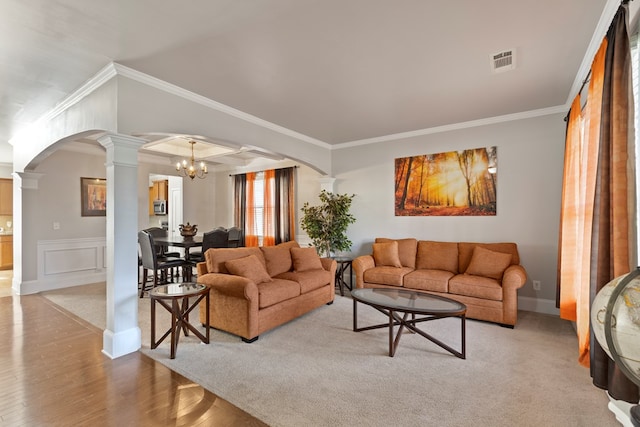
{"x": 93, "y": 192}
{"x": 455, "y": 183}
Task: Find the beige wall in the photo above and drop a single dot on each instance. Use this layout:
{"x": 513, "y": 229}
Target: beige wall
{"x": 530, "y": 162}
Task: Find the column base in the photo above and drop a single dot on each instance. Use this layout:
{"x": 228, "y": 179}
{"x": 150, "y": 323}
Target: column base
{"x": 118, "y": 344}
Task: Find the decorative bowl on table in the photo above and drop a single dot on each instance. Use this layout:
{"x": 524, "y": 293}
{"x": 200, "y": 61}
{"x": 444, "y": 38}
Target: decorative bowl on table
{"x": 188, "y": 230}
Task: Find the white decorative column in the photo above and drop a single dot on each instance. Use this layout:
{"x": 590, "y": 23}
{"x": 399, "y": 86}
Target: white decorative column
{"x": 21, "y": 181}
{"x": 326, "y": 183}
{"x": 122, "y": 335}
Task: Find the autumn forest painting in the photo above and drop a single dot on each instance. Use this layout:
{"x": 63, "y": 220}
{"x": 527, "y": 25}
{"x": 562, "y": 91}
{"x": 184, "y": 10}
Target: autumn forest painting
{"x": 447, "y": 184}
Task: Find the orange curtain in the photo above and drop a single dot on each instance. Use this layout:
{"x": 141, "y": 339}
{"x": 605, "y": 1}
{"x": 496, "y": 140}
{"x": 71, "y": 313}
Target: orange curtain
{"x": 251, "y": 236}
{"x": 569, "y": 215}
{"x": 579, "y": 186}
{"x": 269, "y": 238}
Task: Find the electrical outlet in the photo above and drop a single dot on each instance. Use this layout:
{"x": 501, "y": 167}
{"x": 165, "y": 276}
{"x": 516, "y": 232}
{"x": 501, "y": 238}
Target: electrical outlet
{"x": 536, "y": 285}
{"x": 56, "y": 226}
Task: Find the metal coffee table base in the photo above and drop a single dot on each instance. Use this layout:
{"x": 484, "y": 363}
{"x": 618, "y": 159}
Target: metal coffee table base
{"x": 410, "y": 324}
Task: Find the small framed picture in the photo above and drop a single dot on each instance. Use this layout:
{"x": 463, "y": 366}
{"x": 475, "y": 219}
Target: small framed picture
{"x": 93, "y": 193}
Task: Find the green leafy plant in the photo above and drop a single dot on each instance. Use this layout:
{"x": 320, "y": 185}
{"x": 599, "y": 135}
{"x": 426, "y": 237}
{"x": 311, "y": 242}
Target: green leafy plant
{"x": 326, "y": 224}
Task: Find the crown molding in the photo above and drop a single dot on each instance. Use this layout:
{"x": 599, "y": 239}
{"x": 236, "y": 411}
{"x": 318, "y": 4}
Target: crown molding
{"x": 456, "y": 126}
{"x": 100, "y": 78}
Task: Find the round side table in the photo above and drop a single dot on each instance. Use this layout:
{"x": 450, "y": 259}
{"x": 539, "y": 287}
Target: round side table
{"x": 175, "y": 299}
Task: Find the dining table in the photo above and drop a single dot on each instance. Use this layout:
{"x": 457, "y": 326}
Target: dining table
{"x": 185, "y": 242}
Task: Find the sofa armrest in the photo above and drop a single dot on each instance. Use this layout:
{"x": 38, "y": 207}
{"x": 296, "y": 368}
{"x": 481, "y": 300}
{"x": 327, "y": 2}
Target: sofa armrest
{"x": 231, "y": 285}
{"x": 201, "y": 268}
{"x": 514, "y": 277}
{"x": 360, "y": 265}
{"x": 329, "y": 265}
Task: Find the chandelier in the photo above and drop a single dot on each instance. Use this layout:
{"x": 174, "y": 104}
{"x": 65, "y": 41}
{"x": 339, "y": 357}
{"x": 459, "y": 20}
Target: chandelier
{"x": 189, "y": 169}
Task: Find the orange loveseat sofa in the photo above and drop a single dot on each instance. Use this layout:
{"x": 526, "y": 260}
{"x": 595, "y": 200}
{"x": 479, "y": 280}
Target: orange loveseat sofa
{"x": 483, "y": 276}
{"x": 255, "y": 289}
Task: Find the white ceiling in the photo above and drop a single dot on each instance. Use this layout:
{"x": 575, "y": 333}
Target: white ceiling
{"x": 334, "y": 70}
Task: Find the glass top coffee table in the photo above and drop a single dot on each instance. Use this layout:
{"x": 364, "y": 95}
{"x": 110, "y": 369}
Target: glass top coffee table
{"x": 416, "y": 307}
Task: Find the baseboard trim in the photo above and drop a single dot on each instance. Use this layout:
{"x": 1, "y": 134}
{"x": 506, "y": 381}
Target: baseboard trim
{"x": 35, "y": 286}
{"x": 545, "y": 306}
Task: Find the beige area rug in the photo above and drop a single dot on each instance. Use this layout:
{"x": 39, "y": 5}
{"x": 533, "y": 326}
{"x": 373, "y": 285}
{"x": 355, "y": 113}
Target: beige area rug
{"x": 315, "y": 371}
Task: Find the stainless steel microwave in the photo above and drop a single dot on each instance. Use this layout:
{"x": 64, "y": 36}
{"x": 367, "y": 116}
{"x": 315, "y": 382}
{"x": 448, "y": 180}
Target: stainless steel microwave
{"x": 160, "y": 207}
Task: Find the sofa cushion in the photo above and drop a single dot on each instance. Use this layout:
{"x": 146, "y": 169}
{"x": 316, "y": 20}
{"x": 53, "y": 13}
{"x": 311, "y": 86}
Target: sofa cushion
{"x": 305, "y": 259}
{"x": 276, "y": 291}
{"x": 406, "y": 250}
{"x": 465, "y": 251}
{"x": 488, "y": 263}
{"x": 475, "y": 286}
{"x": 428, "y": 280}
{"x": 216, "y": 257}
{"x": 386, "y": 275}
{"x": 386, "y": 254}
{"x": 278, "y": 258}
{"x": 437, "y": 256}
{"x": 308, "y": 280}
{"x": 249, "y": 267}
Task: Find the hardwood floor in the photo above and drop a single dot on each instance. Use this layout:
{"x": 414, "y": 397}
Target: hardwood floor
{"x": 53, "y": 373}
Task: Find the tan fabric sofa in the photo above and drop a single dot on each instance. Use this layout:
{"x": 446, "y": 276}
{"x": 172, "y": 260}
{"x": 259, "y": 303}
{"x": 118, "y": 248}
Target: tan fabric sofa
{"x": 483, "y": 276}
{"x": 255, "y": 289}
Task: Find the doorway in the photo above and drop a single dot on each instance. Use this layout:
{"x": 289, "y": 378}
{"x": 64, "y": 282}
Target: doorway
{"x": 168, "y": 188}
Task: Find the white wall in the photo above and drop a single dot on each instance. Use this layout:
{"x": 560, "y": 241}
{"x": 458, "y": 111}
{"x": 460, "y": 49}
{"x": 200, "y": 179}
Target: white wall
{"x": 530, "y": 162}
{"x": 57, "y": 199}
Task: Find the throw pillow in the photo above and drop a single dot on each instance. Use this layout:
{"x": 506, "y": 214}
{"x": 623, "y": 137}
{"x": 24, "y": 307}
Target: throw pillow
{"x": 305, "y": 259}
{"x": 278, "y": 258}
{"x": 249, "y": 267}
{"x": 488, "y": 263}
{"x": 406, "y": 249}
{"x": 386, "y": 254}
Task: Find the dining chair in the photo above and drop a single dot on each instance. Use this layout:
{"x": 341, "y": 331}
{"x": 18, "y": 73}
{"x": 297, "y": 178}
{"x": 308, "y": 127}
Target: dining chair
{"x": 235, "y": 237}
{"x": 152, "y": 261}
{"x": 217, "y": 238}
{"x": 163, "y": 250}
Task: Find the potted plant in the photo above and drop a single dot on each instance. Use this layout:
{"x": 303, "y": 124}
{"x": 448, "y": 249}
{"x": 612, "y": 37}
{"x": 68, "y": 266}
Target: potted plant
{"x": 326, "y": 224}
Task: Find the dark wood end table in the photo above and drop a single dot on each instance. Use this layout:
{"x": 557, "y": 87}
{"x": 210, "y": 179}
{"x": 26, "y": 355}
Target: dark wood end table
{"x": 175, "y": 299}
{"x": 344, "y": 264}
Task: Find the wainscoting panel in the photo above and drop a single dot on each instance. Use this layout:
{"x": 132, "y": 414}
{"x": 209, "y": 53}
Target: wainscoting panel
{"x": 70, "y": 262}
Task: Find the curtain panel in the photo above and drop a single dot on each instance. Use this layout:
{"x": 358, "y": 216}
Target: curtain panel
{"x": 240, "y": 203}
{"x": 251, "y": 232}
{"x": 613, "y": 233}
{"x": 581, "y": 154}
{"x": 598, "y": 199}
{"x": 285, "y": 207}
{"x": 269, "y": 230}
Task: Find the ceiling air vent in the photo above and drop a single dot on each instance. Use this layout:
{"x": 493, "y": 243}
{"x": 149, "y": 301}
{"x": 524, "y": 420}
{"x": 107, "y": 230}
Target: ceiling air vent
{"x": 503, "y": 61}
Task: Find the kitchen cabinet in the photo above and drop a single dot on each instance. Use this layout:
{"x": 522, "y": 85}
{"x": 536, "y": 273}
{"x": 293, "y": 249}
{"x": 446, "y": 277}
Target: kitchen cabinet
{"x": 158, "y": 191}
{"x": 6, "y": 252}
{"x": 6, "y": 197}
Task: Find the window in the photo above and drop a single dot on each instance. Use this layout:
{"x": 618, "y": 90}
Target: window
{"x": 264, "y": 206}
